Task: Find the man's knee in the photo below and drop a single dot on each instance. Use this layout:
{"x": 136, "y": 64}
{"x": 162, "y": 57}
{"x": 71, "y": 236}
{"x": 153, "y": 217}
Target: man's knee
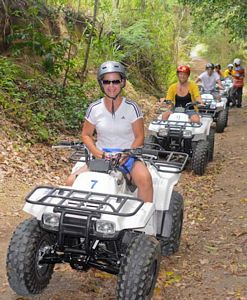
{"x": 166, "y": 115}
{"x": 70, "y": 180}
{"x": 195, "y": 119}
{"x": 141, "y": 175}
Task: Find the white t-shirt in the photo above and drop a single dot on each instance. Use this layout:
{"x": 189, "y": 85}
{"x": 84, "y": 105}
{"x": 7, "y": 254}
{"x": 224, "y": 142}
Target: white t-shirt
{"x": 209, "y": 82}
{"x": 114, "y": 131}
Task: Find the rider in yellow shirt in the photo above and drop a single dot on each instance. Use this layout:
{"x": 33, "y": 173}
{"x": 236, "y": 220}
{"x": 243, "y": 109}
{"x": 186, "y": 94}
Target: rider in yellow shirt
{"x": 193, "y": 90}
{"x": 183, "y": 92}
{"x": 228, "y": 71}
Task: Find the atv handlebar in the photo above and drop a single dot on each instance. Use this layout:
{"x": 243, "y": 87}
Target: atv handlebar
{"x": 77, "y": 145}
{"x": 159, "y": 158}
{"x": 69, "y": 145}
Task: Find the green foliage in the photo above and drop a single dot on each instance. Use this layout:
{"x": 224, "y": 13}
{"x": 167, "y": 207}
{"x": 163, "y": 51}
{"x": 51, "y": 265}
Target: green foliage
{"x": 232, "y": 14}
{"x": 149, "y": 37}
{"x": 10, "y": 95}
{"x": 150, "y": 43}
{"x": 39, "y": 105}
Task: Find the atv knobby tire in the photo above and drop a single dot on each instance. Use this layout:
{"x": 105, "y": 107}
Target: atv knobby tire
{"x": 221, "y": 121}
{"x": 211, "y": 144}
{"x": 173, "y": 221}
{"x": 200, "y": 157}
{"x": 139, "y": 269}
{"x": 25, "y": 275}
{"x": 227, "y": 115}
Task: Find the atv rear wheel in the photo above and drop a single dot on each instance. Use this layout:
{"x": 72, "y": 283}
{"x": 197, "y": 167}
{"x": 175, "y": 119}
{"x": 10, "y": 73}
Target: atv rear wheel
{"x": 227, "y": 115}
{"x": 200, "y": 157}
{"x": 172, "y": 225}
{"x": 28, "y": 244}
{"x": 221, "y": 121}
{"x": 211, "y": 144}
{"x": 139, "y": 269}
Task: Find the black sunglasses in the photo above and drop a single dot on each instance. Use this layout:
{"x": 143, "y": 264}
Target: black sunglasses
{"x": 115, "y": 82}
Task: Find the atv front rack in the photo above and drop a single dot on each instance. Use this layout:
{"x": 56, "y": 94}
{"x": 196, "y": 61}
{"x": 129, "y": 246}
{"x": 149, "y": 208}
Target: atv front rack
{"x": 76, "y": 201}
{"x": 177, "y": 124}
{"x": 169, "y": 162}
{"x": 205, "y": 112}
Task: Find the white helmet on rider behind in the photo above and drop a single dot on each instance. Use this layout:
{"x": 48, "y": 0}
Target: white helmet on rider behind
{"x": 230, "y": 66}
{"x": 237, "y": 61}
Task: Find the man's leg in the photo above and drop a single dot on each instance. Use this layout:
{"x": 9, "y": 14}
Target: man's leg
{"x": 239, "y": 96}
{"x": 143, "y": 180}
{"x": 233, "y": 95}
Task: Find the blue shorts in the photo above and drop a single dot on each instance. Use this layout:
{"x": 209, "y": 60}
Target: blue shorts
{"x": 128, "y": 165}
{"x": 192, "y": 112}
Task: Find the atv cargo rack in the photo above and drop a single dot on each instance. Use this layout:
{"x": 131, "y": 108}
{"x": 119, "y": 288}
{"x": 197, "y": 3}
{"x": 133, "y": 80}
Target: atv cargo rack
{"x": 169, "y": 162}
{"x": 176, "y": 123}
{"x": 77, "y": 201}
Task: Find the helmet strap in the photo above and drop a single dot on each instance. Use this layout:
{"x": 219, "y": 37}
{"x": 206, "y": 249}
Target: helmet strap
{"x": 112, "y": 109}
{"x": 112, "y": 106}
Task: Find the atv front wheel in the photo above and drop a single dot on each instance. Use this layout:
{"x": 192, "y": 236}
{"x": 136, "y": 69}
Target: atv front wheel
{"x": 139, "y": 269}
{"x": 211, "y": 144}
{"x": 28, "y": 244}
{"x": 221, "y": 121}
{"x": 200, "y": 157}
{"x": 172, "y": 225}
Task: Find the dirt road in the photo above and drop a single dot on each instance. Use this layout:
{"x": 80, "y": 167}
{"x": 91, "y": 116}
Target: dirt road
{"x": 212, "y": 260}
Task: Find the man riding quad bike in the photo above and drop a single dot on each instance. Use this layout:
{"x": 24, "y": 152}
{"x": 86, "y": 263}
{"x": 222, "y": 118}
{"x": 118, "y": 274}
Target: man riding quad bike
{"x": 216, "y": 107}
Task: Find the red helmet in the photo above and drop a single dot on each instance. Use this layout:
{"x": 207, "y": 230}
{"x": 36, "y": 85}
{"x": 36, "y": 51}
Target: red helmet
{"x": 184, "y": 69}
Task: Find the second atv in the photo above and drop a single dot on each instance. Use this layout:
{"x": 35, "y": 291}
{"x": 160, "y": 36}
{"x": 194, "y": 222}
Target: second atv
{"x": 179, "y": 134}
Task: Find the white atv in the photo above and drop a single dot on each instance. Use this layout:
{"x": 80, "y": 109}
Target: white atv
{"x": 227, "y": 83}
{"x": 179, "y": 134}
{"x": 215, "y": 106}
{"x": 99, "y": 222}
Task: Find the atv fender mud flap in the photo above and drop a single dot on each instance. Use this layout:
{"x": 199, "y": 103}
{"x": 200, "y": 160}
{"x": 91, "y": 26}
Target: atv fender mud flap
{"x": 164, "y": 223}
{"x": 199, "y": 137}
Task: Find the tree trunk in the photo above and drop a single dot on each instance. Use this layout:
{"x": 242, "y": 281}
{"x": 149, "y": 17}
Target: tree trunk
{"x": 68, "y": 67}
{"x": 6, "y": 30}
{"x": 84, "y": 68}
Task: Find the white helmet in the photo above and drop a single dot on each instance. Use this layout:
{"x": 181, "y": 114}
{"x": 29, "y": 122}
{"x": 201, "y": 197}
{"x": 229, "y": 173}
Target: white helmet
{"x": 237, "y": 61}
{"x": 230, "y": 66}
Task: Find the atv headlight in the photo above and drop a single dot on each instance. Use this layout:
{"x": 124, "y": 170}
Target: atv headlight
{"x": 187, "y": 133}
{"x": 106, "y": 227}
{"x": 213, "y": 105}
{"x": 51, "y": 220}
{"x": 163, "y": 132}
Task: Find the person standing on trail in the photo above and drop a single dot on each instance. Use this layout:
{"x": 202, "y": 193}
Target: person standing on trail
{"x": 183, "y": 92}
{"x": 228, "y": 71}
{"x": 119, "y": 124}
{"x": 217, "y": 68}
{"x": 209, "y": 78}
{"x": 238, "y": 75}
